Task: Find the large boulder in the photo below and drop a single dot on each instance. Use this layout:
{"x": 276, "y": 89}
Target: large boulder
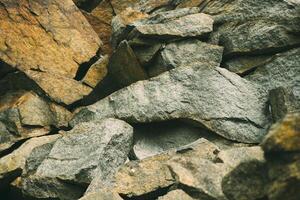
{"x": 48, "y": 41}
{"x": 102, "y": 145}
{"x": 213, "y": 97}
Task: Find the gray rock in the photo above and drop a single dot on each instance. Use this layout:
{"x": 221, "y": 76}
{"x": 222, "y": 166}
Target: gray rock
{"x": 74, "y": 157}
{"x": 253, "y": 27}
{"x": 157, "y": 138}
{"x": 245, "y": 64}
{"x": 282, "y": 71}
{"x": 186, "y": 22}
{"x": 216, "y": 98}
{"x": 283, "y": 101}
{"x": 186, "y": 52}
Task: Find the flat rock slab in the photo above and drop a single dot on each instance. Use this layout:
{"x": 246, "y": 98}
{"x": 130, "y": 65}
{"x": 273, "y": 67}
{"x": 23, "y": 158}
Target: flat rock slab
{"x": 214, "y": 97}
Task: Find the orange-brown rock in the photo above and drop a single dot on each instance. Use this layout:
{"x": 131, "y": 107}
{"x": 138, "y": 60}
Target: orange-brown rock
{"x": 61, "y": 89}
{"x": 284, "y": 136}
{"x": 50, "y": 36}
{"x": 24, "y": 115}
{"x": 97, "y": 72}
{"x": 100, "y": 19}
{"x": 120, "y": 5}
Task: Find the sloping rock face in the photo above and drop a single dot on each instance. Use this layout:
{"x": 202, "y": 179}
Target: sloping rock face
{"x": 149, "y": 100}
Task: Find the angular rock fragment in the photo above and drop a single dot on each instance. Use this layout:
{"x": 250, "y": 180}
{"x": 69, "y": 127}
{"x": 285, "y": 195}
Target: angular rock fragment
{"x": 151, "y": 6}
{"x": 155, "y": 138}
{"x": 12, "y": 165}
{"x": 123, "y": 70}
{"x": 176, "y": 195}
{"x": 97, "y": 72}
{"x": 186, "y": 52}
{"x": 284, "y": 101}
{"x": 74, "y": 158}
{"x": 213, "y": 97}
{"x": 100, "y": 19}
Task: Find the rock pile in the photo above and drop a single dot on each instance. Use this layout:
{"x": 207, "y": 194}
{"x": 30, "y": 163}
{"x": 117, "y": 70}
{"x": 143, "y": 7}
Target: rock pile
{"x": 147, "y": 99}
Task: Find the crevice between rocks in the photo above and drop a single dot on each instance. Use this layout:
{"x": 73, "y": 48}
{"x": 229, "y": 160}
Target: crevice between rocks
{"x": 84, "y": 67}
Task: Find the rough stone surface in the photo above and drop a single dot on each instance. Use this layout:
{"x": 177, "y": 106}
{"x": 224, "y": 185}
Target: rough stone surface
{"x": 248, "y": 177}
{"x": 284, "y": 136}
{"x": 282, "y": 71}
{"x": 185, "y": 22}
{"x": 74, "y": 158}
{"x": 235, "y": 112}
{"x": 251, "y": 27}
{"x": 12, "y": 165}
{"x": 38, "y": 36}
{"x": 24, "y": 115}
{"x": 284, "y": 101}
{"x": 97, "y": 72}
{"x": 186, "y": 52}
{"x": 245, "y": 64}
{"x": 120, "y": 22}
{"x": 155, "y": 138}
{"x": 123, "y": 70}
{"x": 102, "y": 195}
{"x": 282, "y": 147}
{"x": 176, "y": 195}
{"x": 149, "y": 176}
